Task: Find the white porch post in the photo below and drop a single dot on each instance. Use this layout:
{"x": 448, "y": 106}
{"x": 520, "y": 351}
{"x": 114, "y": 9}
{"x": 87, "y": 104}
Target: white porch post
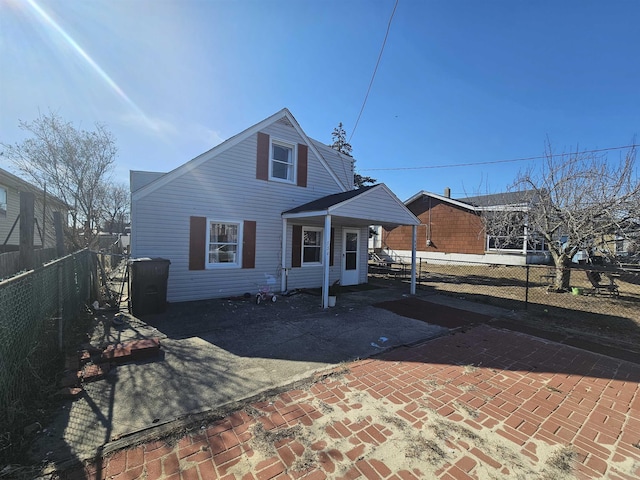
{"x": 526, "y": 234}
{"x": 326, "y": 245}
{"x": 283, "y": 256}
{"x": 414, "y": 229}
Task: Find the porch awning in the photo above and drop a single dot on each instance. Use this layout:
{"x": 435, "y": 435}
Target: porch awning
{"x": 373, "y": 205}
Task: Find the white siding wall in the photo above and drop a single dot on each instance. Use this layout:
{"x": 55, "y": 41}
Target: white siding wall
{"x": 225, "y": 188}
{"x": 138, "y": 180}
{"x": 374, "y": 205}
{"x": 342, "y": 168}
{"x": 311, "y": 277}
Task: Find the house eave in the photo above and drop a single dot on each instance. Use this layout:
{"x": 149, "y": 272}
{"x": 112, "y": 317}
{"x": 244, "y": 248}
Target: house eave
{"x": 316, "y": 213}
{"x": 442, "y": 198}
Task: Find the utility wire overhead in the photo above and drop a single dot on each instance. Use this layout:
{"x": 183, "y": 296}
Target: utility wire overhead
{"x": 524, "y": 159}
{"x": 384, "y": 42}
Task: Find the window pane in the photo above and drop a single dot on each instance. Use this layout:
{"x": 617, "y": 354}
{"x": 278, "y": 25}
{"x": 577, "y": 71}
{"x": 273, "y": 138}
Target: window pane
{"x": 281, "y": 162}
{"x": 222, "y": 253}
{"x": 280, "y": 170}
{"x": 352, "y": 242}
{"x": 312, "y": 237}
{"x": 351, "y": 261}
{"x": 311, "y": 255}
{"x": 223, "y": 233}
{"x": 311, "y": 246}
{"x": 282, "y": 154}
{"x": 223, "y": 242}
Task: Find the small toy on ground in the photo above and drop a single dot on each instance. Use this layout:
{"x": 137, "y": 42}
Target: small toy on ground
{"x": 265, "y": 291}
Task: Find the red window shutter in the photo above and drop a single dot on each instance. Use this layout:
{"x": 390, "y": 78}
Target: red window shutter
{"x": 249, "y": 244}
{"x": 333, "y": 232}
{"x": 197, "y": 238}
{"x": 302, "y": 165}
{"x": 262, "y": 157}
{"x": 296, "y": 246}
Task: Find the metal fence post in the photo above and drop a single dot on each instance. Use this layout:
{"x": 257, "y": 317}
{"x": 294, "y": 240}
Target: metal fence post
{"x": 526, "y": 290}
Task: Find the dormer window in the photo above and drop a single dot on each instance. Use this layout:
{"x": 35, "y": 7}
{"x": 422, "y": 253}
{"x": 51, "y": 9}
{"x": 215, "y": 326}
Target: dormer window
{"x": 282, "y": 162}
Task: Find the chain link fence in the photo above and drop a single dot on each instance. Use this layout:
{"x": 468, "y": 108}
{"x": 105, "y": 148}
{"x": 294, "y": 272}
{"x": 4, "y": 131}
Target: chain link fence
{"x": 40, "y": 314}
{"x": 602, "y": 301}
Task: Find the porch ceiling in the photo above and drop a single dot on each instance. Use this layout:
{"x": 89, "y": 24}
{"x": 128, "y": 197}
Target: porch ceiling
{"x": 339, "y": 221}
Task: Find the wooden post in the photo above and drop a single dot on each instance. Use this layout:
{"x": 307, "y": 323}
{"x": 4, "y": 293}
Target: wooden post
{"x": 27, "y": 218}
{"x": 60, "y": 308}
{"x": 57, "y": 225}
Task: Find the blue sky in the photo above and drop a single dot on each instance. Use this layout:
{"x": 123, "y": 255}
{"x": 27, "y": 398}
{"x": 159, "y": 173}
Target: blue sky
{"x": 459, "y": 81}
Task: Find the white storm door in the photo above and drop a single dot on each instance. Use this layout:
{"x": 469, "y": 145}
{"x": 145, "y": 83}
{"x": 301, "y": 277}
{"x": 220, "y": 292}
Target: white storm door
{"x": 350, "y": 257}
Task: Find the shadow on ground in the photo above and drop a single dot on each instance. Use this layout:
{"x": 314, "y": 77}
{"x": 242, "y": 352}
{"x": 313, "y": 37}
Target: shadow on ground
{"x": 219, "y": 353}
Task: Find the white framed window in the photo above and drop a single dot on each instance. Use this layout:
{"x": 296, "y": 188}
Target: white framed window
{"x": 224, "y": 244}
{"x": 312, "y": 245}
{"x": 282, "y": 161}
{"x": 3, "y": 202}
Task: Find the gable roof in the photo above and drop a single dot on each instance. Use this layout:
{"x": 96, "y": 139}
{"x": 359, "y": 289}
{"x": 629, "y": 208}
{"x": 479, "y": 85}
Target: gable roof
{"x": 500, "y": 199}
{"x": 227, "y": 144}
{"x": 325, "y": 203}
{"x": 442, "y": 198}
{"x": 10, "y": 180}
{"x": 372, "y": 205}
{"x": 496, "y": 201}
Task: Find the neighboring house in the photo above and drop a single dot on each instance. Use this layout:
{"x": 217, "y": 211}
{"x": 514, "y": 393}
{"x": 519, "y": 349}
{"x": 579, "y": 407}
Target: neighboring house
{"x": 622, "y": 248}
{"x": 269, "y": 206}
{"x": 44, "y": 206}
{"x": 454, "y": 230}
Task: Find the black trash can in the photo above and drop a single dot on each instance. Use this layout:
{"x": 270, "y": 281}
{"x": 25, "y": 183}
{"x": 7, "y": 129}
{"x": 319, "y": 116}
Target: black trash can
{"x": 149, "y": 278}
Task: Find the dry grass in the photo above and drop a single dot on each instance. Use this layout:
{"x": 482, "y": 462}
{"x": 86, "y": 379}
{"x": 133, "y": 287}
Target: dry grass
{"x": 616, "y": 320}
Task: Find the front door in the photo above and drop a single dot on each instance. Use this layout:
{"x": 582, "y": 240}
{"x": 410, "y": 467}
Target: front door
{"x": 350, "y": 258}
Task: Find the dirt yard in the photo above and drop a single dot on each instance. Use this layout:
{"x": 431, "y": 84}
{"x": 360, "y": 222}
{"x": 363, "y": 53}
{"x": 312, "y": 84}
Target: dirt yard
{"x": 611, "y": 320}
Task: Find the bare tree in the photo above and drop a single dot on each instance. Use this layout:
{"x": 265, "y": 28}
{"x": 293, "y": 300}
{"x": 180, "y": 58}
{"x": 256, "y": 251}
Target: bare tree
{"x": 73, "y": 164}
{"x": 114, "y": 207}
{"x": 575, "y": 202}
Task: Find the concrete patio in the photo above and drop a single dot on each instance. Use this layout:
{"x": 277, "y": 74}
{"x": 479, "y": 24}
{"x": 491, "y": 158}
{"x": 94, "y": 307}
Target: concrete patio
{"x": 215, "y": 354}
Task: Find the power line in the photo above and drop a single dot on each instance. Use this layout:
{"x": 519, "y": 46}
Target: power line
{"x": 471, "y": 164}
{"x": 384, "y": 42}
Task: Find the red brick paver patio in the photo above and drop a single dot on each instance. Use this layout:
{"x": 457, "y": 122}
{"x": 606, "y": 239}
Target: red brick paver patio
{"x": 486, "y": 403}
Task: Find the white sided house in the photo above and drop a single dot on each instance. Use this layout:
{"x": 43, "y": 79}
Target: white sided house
{"x": 267, "y": 207}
